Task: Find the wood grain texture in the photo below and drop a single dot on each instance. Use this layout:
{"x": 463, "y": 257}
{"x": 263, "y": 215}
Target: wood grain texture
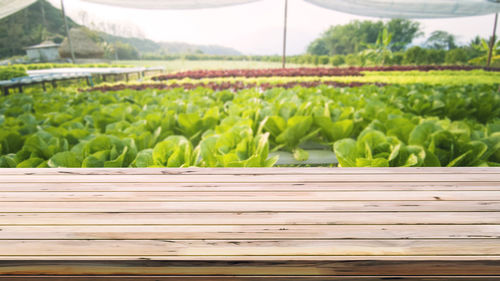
{"x": 248, "y": 218}
{"x": 248, "y": 278}
{"x": 267, "y": 258}
{"x": 245, "y": 206}
{"x": 281, "y": 232}
{"x": 260, "y": 187}
{"x": 250, "y": 224}
{"x": 245, "y": 196}
{"x": 341, "y": 267}
{"x": 232, "y": 247}
{"x": 255, "y": 178}
{"x": 247, "y": 171}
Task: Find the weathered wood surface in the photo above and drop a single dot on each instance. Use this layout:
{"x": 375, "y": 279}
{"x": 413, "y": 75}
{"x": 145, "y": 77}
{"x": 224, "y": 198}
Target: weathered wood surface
{"x": 248, "y": 278}
{"x": 250, "y": 224}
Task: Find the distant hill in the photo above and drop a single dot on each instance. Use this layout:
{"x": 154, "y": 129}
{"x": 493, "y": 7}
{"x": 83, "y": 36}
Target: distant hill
{"x": 150, "y": 46}
{"x": 28, "y": 27}
{"x": 185, "y": 48}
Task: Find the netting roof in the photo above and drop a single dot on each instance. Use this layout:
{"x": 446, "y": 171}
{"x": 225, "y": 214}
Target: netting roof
{"x": 412, "y": 8}
{"x": 171, "y": 4}
{"x": 8, "y": 7}
{"x": 373, "y": 8}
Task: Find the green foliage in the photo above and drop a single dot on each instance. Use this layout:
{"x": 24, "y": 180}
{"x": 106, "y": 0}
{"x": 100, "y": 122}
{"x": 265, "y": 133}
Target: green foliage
{"x": 483, "y": 47}
{"x": 403, "y": 33}
{"x": 456, "y": 56}
{"x": 62, "y": 159}
{"x": 236, "y": 147}
{"x": 415, "y": 55}
{"x": 354, "y": 36}
{"x": 380, "y": 51}
{"x": 9, "y": 72}
{"x": 441, "y": 40}
{"x": 174, "y": 151}
{"x": 414, "y": 125}
{"x": 337, "y": 60}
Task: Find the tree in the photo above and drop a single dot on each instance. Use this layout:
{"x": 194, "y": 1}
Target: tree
{"x": 125, "y": 51}
{"x": 415, "y": 55}
{"x": 484, "y": 48}
{"x": 441, "y": 40}
{"x": 403, "y": 32}
{"x": 356, "y": 35}
{"x": 456, "y": 56}
{"x": 318, "y": 47}
{"x": 379, "y": 51}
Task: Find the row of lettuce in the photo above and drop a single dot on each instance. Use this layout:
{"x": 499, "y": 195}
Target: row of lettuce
{"x": 312, "y": 71}
{"x": 413, "y": 125}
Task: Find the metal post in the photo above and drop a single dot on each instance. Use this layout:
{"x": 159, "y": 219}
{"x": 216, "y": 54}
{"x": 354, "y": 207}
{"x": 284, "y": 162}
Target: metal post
{"x": 67, "y": 32}
{"x": 283, "y": 59}
{"x": 492, "y": 41}
{"x": 44, "y": 21}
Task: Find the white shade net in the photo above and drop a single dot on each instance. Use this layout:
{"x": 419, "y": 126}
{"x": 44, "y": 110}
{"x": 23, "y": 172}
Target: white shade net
{"x": 171, "y": 4}
{"x": 412, "y": 8}
{"x": 373, "y": 8}
{"x": 8, "y": 7}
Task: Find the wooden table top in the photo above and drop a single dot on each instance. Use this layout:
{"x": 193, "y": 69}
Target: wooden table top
{"x": 250, "y": 224}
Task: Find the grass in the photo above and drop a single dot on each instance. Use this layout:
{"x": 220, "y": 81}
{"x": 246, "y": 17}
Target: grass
{"x": 179, "y": 65}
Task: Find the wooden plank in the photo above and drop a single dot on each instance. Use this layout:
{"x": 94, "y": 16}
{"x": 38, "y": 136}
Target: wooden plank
{"x": 237, "y": 259}
{"x": 341, "y": 267}
{"x": 261, "y": 187}
{"x": 248, "y": 278}
{"x": 251, "y": 223}
{"x": 439, "y": 247}
{"x": 332, "y": 218}
{"x": 281, "y": 232}
{"x": 246, "y": 171}
{"x": 244, "y": 196}
{"x": 256, "y": 178}
{"x": 240, "y": 206}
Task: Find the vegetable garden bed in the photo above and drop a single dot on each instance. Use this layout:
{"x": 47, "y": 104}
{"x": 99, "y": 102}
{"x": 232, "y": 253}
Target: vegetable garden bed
{"x": 417, "y": 125}
{"x": 319, "y": 71}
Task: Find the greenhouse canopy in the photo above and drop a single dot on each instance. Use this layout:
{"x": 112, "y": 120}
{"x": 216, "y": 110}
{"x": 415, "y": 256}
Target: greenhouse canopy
{"x": 412, "y": 8}
{"x": 171, "y": 4}
{"x": 8, "y": 7}
{"x": 373, "y": 8}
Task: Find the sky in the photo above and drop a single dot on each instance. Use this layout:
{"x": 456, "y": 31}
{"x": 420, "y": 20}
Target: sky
{"x": 255, "y": 28}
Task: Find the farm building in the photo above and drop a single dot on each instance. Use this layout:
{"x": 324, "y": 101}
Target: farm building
{"x": 43, "y": 52}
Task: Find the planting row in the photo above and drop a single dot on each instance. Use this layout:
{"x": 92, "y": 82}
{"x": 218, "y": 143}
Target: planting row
{"x": 425, "y": 68}
{"x": 228, "y": 85}
{"x": 279, "y": 72}
{"x": 301, "y": 72}
{"x": 365, "y": 126}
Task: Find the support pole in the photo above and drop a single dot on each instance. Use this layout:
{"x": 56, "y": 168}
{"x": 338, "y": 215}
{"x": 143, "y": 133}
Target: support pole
{"x": 283, "y": 59}
{"x": 42, "y": 8}
{"x": 492, "y": 41}
{"x": 67, "y": 32}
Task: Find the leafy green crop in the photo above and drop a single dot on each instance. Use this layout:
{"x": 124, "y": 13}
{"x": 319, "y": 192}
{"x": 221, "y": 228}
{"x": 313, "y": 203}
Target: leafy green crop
{"x": 414, "y": 125}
